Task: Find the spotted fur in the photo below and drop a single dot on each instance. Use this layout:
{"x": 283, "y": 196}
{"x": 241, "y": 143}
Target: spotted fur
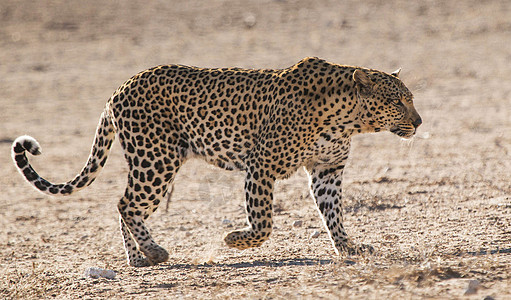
{"x": 265, "y": 122}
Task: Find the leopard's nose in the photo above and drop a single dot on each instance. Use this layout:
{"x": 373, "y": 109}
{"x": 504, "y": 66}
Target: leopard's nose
{"x": 417, "y": 122}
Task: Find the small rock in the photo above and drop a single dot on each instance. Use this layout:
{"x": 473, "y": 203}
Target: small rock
{"x": 472, "y": 287}
{"x": 94, "y": 272}
{"x": 297, "y": 223}
{"x": 315, "y": 234}
{"x": 188, "y": 234}
{"x": 488, "y": 298}
{"x": 250, "y": 20}
{"x": 226, "y": 221}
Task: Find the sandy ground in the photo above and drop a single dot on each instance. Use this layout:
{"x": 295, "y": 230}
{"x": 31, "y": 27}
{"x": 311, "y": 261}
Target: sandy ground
{"x": 436, "y": 208}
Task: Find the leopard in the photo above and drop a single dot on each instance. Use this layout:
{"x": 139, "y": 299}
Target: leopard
{"x": 267, "y": 123}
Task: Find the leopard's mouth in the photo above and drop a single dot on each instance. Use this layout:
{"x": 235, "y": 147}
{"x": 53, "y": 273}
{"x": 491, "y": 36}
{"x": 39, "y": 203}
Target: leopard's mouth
{"x": 403, "y": 131}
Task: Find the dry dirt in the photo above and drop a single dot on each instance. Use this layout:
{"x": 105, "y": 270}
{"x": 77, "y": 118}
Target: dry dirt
{"x": 436, "y": 208}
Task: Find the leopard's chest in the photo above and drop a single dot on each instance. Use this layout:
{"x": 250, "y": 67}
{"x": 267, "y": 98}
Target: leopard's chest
{"x": 330, "y": 149}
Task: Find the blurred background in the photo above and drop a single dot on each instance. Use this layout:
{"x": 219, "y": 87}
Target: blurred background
{"x": 433, "y": 40}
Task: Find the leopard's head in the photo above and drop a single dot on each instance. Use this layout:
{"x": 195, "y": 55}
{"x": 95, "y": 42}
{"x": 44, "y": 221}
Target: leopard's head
{"x": 386, "y": 103}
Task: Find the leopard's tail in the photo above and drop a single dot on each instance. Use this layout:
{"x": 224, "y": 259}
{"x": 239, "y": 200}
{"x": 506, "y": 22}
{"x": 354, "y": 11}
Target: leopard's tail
{"x": 105, "y": 135}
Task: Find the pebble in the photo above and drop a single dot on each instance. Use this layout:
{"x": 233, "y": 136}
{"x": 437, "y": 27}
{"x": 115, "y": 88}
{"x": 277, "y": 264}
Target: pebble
{"x": 315, "y": 234}
{"x": 297, "y": 223}
{"x": 94, "y": 272}
{"x": 249, "y": 20}
{"x": 472, "y": 287}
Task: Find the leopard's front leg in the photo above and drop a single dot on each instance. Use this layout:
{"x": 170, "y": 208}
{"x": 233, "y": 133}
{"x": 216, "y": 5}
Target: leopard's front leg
{"x": 325, "y": 187}
{"x": 259, "y": 207}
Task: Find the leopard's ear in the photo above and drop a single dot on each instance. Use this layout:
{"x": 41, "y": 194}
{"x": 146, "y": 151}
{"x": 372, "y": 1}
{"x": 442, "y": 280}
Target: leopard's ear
{"x": 364, "y": 83}
{"x": 396, "y": 73}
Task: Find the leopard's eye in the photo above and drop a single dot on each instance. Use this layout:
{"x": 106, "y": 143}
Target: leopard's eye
{"x": 396, "y": 101}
